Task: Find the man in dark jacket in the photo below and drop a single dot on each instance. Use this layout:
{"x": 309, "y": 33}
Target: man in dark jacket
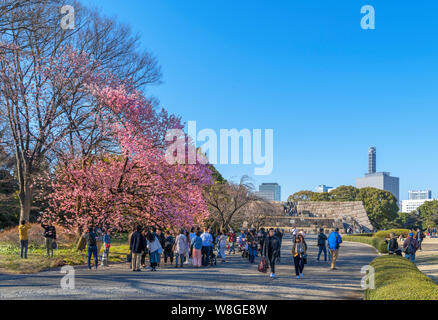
{"x": 50, "y": 236}
{"x": 168, "y": 246}
{"x": 271, "y": 248}
{"x": 91, "y": 239}
{"x": 261, "y": 235}
{"x": 420, "y": 236}
{"x": 137, "y": 247}
{"x": 279, "y": 235}
{"x": 322, "y": 239}
{"x": 393, "y": 244}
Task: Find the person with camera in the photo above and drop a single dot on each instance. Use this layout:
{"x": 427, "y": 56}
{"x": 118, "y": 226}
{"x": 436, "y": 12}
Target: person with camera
{"x": 50, "y": 237}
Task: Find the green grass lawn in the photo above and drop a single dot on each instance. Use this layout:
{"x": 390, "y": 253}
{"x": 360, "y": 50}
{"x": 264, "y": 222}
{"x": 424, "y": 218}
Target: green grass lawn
{"x": 396, "y": 278}
{"x": 10, "y": 261}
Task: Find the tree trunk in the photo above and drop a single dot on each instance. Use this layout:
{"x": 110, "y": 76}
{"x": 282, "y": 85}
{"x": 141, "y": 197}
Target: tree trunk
{"x": 25, "y": 197}
{"x": 81, "y": 243}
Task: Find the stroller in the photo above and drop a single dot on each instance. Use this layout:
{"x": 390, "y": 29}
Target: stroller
{"x": 244, "y": 249}
{"x": 212, "y": 260}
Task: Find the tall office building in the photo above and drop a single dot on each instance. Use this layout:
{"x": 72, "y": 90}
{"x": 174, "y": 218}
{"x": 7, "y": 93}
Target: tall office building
{"x": 420, "y": 194}
{"x": 372, "y": 160}
{"x": 270, "y": 191}
{"x": 378, "y": 180}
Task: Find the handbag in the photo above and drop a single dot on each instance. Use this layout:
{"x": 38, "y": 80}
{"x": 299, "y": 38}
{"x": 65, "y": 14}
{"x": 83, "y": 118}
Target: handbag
{"x": 263, "y": 265}
{"x": 304, "y": 257}
{"x": 54, "y": 245}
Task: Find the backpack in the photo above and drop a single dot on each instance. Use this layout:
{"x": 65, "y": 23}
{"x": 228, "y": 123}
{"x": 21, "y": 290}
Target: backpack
{"x": 321, "y": 240}
{"x": 91, "y": 241}
{"x": 410, "y": 249}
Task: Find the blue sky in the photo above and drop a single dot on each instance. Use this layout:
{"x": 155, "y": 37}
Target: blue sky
{"x": 307, "y": 70}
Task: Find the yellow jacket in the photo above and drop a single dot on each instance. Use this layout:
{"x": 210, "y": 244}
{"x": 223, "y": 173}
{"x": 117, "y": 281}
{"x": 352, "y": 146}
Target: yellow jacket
{"x": 22, "y": 231}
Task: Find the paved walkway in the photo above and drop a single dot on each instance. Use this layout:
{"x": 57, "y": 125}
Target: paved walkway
{"x": 427, "y": 259}
{"x": 235, "y": 279}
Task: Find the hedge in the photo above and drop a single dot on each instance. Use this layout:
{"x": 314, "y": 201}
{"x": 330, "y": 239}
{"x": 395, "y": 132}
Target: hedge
{"x": 398, "y": 232}
{"x": 377, "y": 242}
{"x": 370, "y": 234}
{"x": 396, "y": 278}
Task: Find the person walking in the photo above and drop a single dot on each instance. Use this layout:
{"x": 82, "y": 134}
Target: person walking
{"x": 187, "y": 259}
{"x": 50, "y": 236}
{"x": 294, "y": 234}
{"x": 222, "y": 245}
{"x": 334, "y": 241}
{"x": 91, "y": 239}
{"x": 270, "y": 250}
{"x": 232, "y": 240}
{"x": 180, "y": 248}
{"x": 252, "y": 245}
{"x": 23, "y": 229}
{"x": 261, "y": 235}
{"x": 197, "y": 250}
{"x": 411, "y": 245}
{"x": 162, "y": 240}
{"x": 168, "y": 245}
{"x": 207, "y": 243}
{"x": 279, "y": 235}
{"x": 299, "y": 253}
{"x": 137, "y": 247}
{"x": 322, "y": 240}
{"x": 155, "y": 250}
{"x": 420, "y": 237}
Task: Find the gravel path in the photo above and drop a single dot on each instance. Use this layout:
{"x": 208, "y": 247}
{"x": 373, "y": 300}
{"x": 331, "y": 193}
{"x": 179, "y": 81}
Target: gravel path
{"x": 427, "y": 259}
{"x": 235, "y": 279}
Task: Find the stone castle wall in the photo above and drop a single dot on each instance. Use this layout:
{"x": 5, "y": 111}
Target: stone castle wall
{"x": 347, "y": 211}
{"x": 313, "y": 215}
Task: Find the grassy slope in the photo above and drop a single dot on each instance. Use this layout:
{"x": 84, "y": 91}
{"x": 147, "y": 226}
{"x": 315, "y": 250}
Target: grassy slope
{"x": 396, "y": 278}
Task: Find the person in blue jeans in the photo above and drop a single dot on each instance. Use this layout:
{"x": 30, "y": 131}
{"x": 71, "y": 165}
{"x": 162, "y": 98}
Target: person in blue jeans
{"x": 90, "y": 237}
{"x": 322, "y": 240}
{"x": 411, "y": 245}
{"x": 252, "y": 245}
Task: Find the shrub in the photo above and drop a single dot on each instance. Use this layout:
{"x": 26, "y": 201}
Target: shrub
{"x": 367, "y": 240}
{"x": 378, "y": 243}
{"x": 385, "y": 233}
{"x": 396, "y": 278}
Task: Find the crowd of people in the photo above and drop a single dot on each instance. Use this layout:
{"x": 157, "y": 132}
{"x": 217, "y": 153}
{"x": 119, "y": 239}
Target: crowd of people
{"x": 203, "y": 248}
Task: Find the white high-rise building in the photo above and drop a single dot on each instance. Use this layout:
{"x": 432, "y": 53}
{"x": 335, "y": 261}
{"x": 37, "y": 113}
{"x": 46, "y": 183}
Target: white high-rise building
{"x": 420, "y": 194}
{"x": 412, "y": 205}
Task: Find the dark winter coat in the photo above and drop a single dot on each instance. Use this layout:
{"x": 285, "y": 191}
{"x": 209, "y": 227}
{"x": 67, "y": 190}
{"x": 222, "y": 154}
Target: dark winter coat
{"x": 49, "y": 231}
{"x": 271, "y": 247}
{"x": 137, "y": 244}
